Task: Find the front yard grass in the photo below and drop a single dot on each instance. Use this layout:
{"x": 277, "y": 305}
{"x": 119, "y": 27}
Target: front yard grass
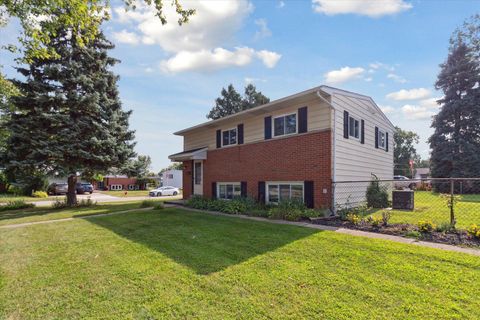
{"x": 173, "y": 263}
{"x": 45, "y": 213}
{"x": 4, "y": 198}
{"x": 430, "y": 206}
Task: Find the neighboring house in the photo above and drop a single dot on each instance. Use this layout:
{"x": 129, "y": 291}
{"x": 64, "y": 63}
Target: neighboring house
{"x": 173, "y": 178}
{"x": 422, "y": 173}
{"x": 294, "y": 147}
{"x": 119, "y": 182}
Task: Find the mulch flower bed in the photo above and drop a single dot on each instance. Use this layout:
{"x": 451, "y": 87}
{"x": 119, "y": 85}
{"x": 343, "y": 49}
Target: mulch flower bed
{"x": 456, "y": 237}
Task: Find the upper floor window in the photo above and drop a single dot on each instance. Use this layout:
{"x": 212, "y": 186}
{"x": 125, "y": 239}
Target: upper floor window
{"x": 382, "y": 141}
{"x": 354, "y": 128}
{"x": 229, "y": 137}
{"x": 286, "y": 124}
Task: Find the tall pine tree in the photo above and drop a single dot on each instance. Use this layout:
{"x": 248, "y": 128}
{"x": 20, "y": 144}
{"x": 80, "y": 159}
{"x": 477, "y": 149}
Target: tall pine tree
{"x": 68, "y": 118}
{"x": 253, "y": 98}
{"x": 455, "y": 143}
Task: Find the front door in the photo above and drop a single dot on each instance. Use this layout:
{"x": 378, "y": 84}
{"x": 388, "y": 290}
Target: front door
{"x": 198, "y": 177}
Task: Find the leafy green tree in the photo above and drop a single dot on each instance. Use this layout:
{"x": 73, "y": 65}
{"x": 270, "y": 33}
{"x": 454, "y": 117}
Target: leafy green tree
{"x": 7, "y": 91}
{"x": 404, "y": 151}
{"x": 41, "y": 19}
{"x": 139, "y": 167}
{"x": 173, "y": 166}
{"x": 253, "y": 98}
{"x": 68, "y": 118}
{"x": 231, "y": 101}
{"x": 455, "y": 142}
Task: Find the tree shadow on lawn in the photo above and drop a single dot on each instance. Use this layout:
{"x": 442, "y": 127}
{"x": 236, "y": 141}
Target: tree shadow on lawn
{"x": 202, "y": 242}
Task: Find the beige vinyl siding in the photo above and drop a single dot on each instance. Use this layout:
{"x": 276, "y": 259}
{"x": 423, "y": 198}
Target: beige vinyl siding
{"x": 355, "y": 161}
{"x": 318, "y": 119}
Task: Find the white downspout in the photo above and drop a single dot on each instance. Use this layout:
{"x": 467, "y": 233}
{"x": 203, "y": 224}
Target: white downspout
{"x": 334, "y": 140}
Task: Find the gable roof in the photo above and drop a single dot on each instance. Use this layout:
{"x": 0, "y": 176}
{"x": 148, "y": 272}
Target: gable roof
{"x": 326, "y": 90}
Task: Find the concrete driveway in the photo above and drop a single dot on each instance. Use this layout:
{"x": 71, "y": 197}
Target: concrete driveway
{"x": 100, "y": 197}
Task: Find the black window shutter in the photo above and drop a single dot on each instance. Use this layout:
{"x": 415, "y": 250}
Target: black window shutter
{"x": 345, "y": 124}
{"x": 386, "y": 141}
{"x": 193, "y": 176}
{"x": 243, "y": 188}
{"x": 376, "y": 137}
{"x": 308, "y": 194}
{"x": 261, "y": 191}
{"x": 240, "y": 133}
{"x": 214, "y": 190}
{"x": 362, "y": 138}
{"x": 219, "y": 138}
{"x": 268, "y": 128}
{"x": 302, "y": 119}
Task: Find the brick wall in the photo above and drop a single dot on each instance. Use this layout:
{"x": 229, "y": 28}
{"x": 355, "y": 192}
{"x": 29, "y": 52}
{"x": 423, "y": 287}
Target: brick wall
{"x": 187, "y": 179}
{"x": 297, "y": 158}
{"x": 123, "y": 181}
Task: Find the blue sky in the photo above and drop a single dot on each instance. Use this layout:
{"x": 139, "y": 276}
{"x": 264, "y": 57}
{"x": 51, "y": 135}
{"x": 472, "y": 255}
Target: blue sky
{"x": 170, "y": 75}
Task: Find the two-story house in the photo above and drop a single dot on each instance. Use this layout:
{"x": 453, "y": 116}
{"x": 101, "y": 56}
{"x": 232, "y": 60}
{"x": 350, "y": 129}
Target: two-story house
{"x": 294, "y": 147}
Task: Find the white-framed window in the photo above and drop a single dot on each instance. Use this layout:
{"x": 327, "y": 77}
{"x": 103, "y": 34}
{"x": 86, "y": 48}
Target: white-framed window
{"x": 116, "y": 187}
{"x": 229, "y": 137}
{"x": 281, "y": 191}
{"x": 133, "y": 187}
{"x": 284, "y": 125}
{"x": 353, "y": 127}
{"x": 228, "y": 190}
{"x": 197, "y": 173}
{"x": 382, "y": 141}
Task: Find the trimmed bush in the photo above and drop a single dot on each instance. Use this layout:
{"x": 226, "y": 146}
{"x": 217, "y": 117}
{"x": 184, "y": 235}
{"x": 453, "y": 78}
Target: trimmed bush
{"x": 474, "y": 231}
{"x": 16, "y": 205}
{"x": 377, "y": 197}
{"x": 40, "y": 194}
{"x": 425, "y": 226}
{"x": 291, "y": 210}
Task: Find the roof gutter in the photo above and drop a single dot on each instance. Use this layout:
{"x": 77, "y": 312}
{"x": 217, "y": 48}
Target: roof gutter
{"x": 334, "y": 171}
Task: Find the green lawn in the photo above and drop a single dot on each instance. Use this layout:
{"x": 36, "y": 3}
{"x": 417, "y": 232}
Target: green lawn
{"x": 46, "y": 213}
{"x": 171, "y": 263}
{"x": 429, "y": 206}
{"x": 4, "y": 198}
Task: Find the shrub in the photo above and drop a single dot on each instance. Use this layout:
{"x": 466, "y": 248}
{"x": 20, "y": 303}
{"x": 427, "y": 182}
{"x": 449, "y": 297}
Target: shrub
{"x": 386, "y": 215}
{"x": 312, "y": 213}
{"x": 147, "y": 203}
{"x": 259, "y": 213}
{"x": 59, "y": 204}
{"x": 16, "y": 205}
{"x": 375, "y": 221}
{"x": 40, "y": 194}
{"x": 445, "y": 227}
{"x": 377, "y": 197}
{"x": 426, "y": 226}
{"x": 291, "y": 210}
{"x": 84, "y": 203}
{"x": 354, "y": 218}
{"x": 474, "y": 231}
{"x": 32, "y": 183}
{"x": 413, "y": 234}
{"x": 159, "y": 206}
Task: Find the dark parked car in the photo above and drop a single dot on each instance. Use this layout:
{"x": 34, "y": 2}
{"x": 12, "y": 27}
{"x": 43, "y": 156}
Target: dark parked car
{"x": 57, "y": 188}
{"x": 82, "y": 188}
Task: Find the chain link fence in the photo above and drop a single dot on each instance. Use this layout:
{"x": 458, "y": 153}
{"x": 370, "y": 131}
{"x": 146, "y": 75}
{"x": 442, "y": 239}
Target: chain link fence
{"x": 454, "y": 201}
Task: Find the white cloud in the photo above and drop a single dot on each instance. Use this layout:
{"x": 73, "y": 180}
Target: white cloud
{"x": 387, "y": 109}
{"x": 204, "y": 37}
{"x": 206, "y": 60}
{"x": 412, "y": 94}
{"x": 281, "y": 4}
{"x": 396, "y": 78}
{"x": 414, "y": 112}
{"x": 430, "y": 103}
{"x": 370, "y": 8}
{"x": 380, "y": 65}
{"x": 252, "y": 80}
{"x": 269, "y": 58}
{"x": 343, "y": 74}
{"x": 369, "y": 79}
{"x": 126, "y": 37}
{"x": 263, "y": 31}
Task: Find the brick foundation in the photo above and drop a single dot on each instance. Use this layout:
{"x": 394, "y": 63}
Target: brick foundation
{"x": 297, "y": 158}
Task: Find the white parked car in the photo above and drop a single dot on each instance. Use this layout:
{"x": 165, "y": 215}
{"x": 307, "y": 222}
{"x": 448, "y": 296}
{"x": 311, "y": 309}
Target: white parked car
{"x": 402, "y": 182}
{"x": 164, "y": 191}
